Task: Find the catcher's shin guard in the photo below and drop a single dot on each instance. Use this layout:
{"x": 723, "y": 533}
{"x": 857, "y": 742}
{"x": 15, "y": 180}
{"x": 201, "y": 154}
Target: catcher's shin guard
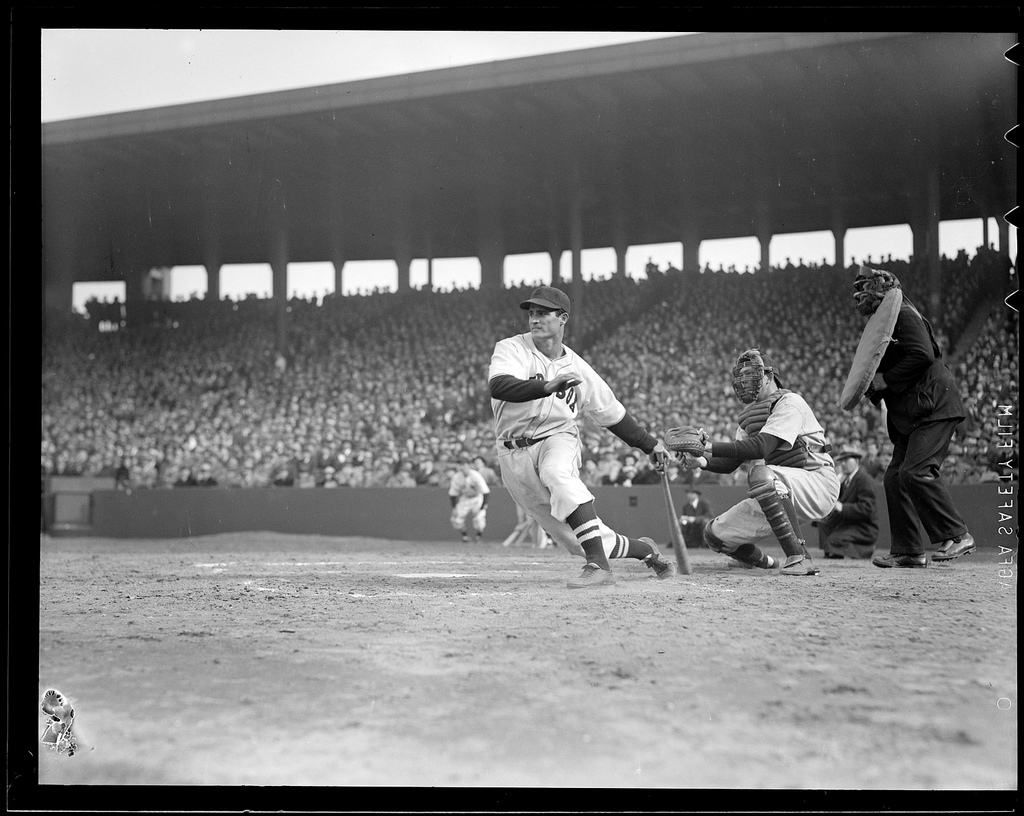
{"x": 761, "y": 488}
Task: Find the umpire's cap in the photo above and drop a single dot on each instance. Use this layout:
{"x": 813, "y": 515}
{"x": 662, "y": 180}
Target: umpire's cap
{"x": 549, "y": 297}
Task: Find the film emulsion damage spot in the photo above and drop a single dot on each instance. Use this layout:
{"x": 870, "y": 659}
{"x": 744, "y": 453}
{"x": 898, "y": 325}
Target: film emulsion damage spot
{"x": 58, "y": 734}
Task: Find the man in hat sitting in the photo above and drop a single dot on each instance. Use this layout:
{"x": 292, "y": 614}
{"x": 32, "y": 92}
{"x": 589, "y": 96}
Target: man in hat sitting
{"x": 695, "y": 514}
{"x": 851, "y": 529}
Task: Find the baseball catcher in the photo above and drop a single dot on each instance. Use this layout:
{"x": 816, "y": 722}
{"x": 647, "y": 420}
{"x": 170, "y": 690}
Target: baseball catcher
{"x": 792, "y": 477}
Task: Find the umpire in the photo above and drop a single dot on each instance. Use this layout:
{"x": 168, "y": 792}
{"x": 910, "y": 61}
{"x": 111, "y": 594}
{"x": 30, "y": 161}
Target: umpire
{"x": 923, "y": 409}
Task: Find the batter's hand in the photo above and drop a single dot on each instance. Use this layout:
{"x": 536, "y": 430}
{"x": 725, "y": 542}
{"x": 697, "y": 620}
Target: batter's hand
{"x": 562, "y": 383}
{"x": 659, "y": 457}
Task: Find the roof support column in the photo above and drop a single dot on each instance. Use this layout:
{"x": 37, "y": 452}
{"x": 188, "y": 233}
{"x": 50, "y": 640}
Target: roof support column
{"x": 691, "y": 249}
{"x": 925, "y": 230}
{"x": 576, "y": 246}
{"x": 403, "y": 257}
{"x": 839, "y": 234}
{"x": 764, "y": 237}
{"x": 556, "y": 266}
{"x": 620, "y": 260}
{"x": 491, "y": 250}
{"x": 58, "y": 276}
{"x": 1004, "y": 235}
{"x": 339, "y": 276}
{"x": 279, "y": 267}
{"x": 212, "y": 279}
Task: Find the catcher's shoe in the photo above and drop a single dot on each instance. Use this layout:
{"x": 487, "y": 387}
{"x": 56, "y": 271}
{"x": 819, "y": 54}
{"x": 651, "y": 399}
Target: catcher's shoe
{"x": 955, "y": 547}
{"x": 799, "y": 565}
{"x": 735, "y": 563}
{"x": 591, "y": 576}
{"x": 661, "y": 567}
{"x": 901, "y": 560}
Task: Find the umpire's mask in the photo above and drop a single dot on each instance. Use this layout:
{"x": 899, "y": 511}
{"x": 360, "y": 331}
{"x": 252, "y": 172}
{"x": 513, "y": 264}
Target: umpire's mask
{"x": 870, "y": 286}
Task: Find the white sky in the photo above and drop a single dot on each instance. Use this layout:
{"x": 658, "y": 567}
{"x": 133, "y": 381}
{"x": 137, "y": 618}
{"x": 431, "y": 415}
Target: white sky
{"x": 86, "y": 72}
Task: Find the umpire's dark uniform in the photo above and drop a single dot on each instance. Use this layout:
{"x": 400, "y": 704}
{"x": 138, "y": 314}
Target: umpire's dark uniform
{"x": 924, "y": 408}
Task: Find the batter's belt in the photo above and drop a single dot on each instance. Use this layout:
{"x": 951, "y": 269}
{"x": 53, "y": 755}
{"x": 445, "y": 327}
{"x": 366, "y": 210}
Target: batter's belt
{"x": 521, "y": 442}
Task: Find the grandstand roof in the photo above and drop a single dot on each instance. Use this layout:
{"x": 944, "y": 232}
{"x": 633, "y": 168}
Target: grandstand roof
{"x": 730, "y": 134}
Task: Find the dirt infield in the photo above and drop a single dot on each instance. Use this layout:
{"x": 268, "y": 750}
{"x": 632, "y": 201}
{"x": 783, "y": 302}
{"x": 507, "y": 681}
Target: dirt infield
{"x": 264, "y": 659}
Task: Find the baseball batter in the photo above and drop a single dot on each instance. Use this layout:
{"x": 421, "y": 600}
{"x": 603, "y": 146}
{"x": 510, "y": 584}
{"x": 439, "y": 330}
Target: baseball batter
{"x": 540, "y": 388}
{"x": 468, "y": 493}
{"x": 792, "y": 477}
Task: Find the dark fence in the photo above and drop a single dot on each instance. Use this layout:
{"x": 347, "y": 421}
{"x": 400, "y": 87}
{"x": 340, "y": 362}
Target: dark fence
{"x": 412, "y": 514}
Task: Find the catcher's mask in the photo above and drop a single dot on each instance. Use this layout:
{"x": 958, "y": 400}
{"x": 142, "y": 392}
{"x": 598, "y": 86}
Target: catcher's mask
{"x": 748, "y": 374}
{"x": 870, "y": 286}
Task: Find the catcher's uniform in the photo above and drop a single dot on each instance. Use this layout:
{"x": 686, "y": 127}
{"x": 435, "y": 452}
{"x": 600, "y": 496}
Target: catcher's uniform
{"x": 538, "y": 441}
{"x": 814, "y": 487}
{"x": 468, "y": 487}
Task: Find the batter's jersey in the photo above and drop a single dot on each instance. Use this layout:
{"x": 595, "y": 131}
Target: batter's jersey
{"x": 468, "y": 485}
{"x": 519, "y": 357}
{"x": 792, "y": 418}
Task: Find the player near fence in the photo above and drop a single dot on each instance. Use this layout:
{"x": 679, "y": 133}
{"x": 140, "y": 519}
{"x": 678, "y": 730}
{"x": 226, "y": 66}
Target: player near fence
{"x": 468, "y": 493}
{"x": 540, "y": 390}
{"x": 791, "y": 479}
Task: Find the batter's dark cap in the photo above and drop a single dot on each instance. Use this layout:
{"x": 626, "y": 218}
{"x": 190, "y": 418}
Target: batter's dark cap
{"x": 549, "y": 297}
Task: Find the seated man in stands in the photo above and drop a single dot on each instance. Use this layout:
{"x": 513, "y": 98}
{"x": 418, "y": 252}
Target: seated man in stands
{"x": 851, "y": 529}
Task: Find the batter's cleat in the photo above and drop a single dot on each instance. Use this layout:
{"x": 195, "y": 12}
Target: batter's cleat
{"x": 799, "y": 565}
{"x": 955, "y": 547}
{"x": 661, "y": 567}
{"x": 591, "y": 576}
{"x": 901, "y": 560}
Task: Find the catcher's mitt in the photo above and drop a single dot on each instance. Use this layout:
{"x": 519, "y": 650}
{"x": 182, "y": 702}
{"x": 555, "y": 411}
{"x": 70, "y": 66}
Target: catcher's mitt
{"x": 693, "y": 441}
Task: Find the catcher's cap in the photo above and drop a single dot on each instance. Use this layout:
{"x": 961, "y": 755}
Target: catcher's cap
{"x": 549, "y": 297}
{"x": 769, "y": 364}
{"x": 850, "y": 452}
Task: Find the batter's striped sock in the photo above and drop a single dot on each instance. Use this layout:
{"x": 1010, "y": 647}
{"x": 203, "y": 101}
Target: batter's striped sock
{"x": 635, "y": 549}
{"x": 586, "y": 526}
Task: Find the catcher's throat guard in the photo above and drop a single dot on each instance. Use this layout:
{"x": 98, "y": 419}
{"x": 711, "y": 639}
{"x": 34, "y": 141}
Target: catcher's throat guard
{"x": 748, "y": 375}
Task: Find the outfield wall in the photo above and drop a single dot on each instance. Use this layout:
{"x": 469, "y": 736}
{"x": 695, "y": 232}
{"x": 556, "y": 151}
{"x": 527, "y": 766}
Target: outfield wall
{"x": 421, "y": 513}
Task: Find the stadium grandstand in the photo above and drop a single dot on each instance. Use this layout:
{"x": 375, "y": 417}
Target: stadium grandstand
{"x": 386, "y": 389}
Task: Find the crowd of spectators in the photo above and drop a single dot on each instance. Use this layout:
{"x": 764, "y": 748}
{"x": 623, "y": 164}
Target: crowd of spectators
{"x": 388, "y": 389}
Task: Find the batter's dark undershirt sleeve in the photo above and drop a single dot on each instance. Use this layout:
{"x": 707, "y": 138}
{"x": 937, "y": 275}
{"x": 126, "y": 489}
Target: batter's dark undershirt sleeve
{"x": 629, "y": 431}
{"x": 756, "y": 446}
{"x": 507, "y": 388}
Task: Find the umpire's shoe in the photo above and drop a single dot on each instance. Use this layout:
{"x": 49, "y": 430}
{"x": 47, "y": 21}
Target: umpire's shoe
{"x": 901, "y": 560}
{"x": 591, "y": 576}
{"x": 955, "y": 547}
{"x": 661, "y": 567}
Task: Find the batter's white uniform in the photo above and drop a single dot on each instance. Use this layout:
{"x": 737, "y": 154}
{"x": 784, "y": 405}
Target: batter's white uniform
{"x": 469, "y": 487}
{"x": 814, "y": 489}
{"x": 543, "y": 478}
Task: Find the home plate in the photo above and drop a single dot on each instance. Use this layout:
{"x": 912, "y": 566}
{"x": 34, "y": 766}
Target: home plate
{"x": 434, "y": 575}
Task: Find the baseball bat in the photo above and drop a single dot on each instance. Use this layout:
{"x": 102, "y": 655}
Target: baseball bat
{"x": 675, "y": 531}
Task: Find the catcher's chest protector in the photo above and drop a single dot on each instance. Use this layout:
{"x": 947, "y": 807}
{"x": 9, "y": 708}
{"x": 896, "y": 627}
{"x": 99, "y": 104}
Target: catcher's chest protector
{"x": 752, "y": 419}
